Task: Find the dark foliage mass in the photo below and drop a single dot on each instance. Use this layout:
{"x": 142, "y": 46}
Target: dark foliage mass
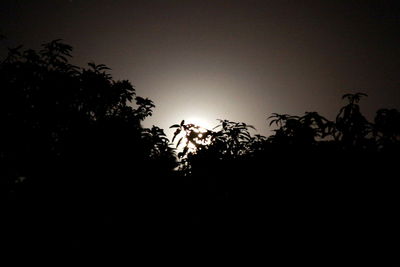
{"x": 76, "y": 163}
{"x": 80, "y": 173}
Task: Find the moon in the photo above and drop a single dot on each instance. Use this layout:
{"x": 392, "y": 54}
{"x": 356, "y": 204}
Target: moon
{"x": 201, "y": 122}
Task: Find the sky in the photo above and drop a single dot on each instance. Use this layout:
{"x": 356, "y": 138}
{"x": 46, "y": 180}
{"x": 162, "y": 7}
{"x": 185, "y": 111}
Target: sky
{"x": 237, "y": 60}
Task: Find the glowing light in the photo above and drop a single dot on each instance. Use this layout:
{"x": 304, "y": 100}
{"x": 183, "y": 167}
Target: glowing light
{"x": 203, "y": 127}
{"x": 202, "y": 123}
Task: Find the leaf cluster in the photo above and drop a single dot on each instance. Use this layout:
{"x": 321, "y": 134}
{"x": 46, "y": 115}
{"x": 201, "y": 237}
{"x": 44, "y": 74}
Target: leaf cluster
{"x": 311, "y": 132}
{"x": 52, "y": 110}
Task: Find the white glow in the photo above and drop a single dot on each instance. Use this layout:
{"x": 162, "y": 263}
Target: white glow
{"x": 198, "y": 121}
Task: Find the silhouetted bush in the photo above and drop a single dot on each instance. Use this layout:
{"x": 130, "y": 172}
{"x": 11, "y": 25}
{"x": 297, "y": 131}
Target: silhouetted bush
{"x": 80, "y": 171}
{"x": 73, "y": 149}
{"x": 311, "y": 169}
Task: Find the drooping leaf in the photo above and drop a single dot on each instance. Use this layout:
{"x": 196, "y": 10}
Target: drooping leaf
{"x": 252, "y": 127}
{"x": 178, "y": 131}
{"x": 179, "y": 142}
{"x": 102, "y": 67}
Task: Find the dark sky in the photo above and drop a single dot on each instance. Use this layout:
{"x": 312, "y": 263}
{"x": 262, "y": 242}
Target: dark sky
{"x": 237, "y": 60}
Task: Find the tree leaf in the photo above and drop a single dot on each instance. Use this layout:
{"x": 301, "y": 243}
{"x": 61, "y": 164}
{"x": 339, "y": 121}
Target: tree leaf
{"x": 179, "y": 142}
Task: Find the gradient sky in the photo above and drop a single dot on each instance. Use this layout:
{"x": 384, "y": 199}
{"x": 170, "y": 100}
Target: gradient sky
{"x": 236, "y": 60}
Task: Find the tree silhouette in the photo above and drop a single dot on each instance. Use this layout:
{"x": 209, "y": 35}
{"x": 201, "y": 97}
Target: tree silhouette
{"x": 387, "y": 128}
{"x": 75, "y": 156}
{"x": 352, "y": 126}
{"x": 73, "y": 149}
{"x": 299, "y": 169}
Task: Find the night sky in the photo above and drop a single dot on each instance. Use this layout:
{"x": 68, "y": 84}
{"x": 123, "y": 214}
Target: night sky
{"x": 237, "y": 60}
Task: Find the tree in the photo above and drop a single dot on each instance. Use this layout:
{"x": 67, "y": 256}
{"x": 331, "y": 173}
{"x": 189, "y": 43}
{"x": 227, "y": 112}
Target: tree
{"x": 387, "y": 128}
{"x": 352, "y": 126}
{"x": 72, "y": 147}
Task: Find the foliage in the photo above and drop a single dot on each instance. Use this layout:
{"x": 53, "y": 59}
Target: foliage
{"x": 387, "y": 128}
{"x": 352, "y": 126}
{"x": 74, "y": 153}
{"x": 294, "y": 134}
{"x": 55, "y": 113}
{"x": 232, "y": 140}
